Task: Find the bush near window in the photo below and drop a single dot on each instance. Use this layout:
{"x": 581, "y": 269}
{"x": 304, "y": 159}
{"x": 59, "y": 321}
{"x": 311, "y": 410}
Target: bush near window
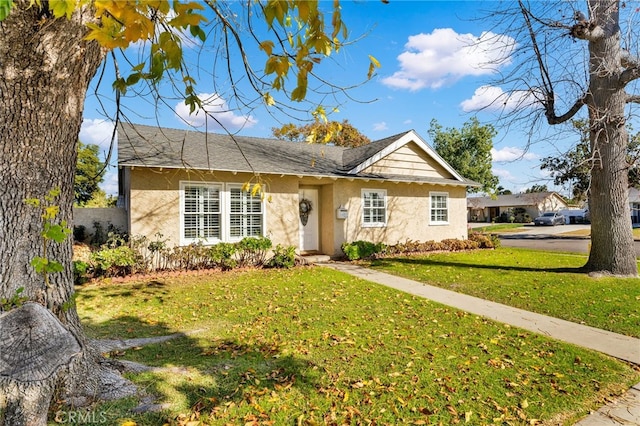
{"x": 121, "y": 256}
{"x": 283, "y": 257}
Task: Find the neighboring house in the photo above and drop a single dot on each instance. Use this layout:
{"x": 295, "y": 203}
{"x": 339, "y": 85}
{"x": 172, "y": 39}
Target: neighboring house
{"x": 634, "y": 204}
{"x": 487, "y": 209}
{"x": 188, "y": 186}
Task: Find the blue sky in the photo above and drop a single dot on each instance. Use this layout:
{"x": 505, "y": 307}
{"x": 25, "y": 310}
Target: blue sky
{"x": 429, "y": 71}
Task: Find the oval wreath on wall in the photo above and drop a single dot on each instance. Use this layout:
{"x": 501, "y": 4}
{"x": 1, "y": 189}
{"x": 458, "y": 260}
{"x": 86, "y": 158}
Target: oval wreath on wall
{"x": 304, "y": 208}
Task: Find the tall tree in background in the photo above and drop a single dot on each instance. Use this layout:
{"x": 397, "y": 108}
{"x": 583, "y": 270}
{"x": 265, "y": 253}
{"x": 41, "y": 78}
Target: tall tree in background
{"x": 574, "y": 57}
{"x": 89, "y": 173}
{"x": 324, "y": 132}
{"x": 536, "y": 188}
{"x": 49, "y": 53}
{"x": 467, "y": 150}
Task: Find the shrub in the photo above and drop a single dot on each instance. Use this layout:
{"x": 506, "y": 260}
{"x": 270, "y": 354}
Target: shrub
{"x": 113, "y": 262}
{"x": 485, "y": 241}
{"x": 80, "y": 272}
{"x": 222, "y": 255}
{"x": 283, "y": 257}
{"x": 252, "y": 251}
{"x": 362, "y": 249}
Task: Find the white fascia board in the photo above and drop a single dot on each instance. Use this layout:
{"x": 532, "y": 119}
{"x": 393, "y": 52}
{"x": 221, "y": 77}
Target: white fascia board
{"x": 410, "y": 136}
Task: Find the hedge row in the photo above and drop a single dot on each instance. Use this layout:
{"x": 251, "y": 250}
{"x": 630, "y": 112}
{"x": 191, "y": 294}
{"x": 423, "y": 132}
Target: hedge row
{"x": 122, "y": 256}
{"x": 366, "y": 249}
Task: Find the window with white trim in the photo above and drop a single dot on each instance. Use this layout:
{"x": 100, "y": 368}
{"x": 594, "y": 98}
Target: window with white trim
{"x": 214, "y": 212}
{"x": 245, "y": 213}
{"x": 201, "y": 212}
{"x": 439, "y": 208}
{"x": 374, "y": 207}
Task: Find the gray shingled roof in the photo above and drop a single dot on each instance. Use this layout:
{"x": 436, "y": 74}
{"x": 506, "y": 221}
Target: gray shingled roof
{"x": 511, "y": 200}
{"x": 150, "y": 146}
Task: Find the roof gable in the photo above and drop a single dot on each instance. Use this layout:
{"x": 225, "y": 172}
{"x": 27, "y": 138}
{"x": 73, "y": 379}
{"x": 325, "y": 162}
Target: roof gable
{"x": 431, "y": 161}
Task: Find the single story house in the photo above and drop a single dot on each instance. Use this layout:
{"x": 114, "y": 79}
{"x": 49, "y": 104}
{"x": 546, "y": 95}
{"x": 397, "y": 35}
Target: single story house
{"x": 634, "y": 204}
{"x": 192, "y": 187}
{"x": 487, "y": 209}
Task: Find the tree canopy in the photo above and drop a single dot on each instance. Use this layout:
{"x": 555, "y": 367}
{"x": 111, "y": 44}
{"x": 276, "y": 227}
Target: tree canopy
{"x": 324, "y": 132}
{"x": 468, "y": 150}
{"x": 89, "y": 173}
{"x": 536, "y": 188}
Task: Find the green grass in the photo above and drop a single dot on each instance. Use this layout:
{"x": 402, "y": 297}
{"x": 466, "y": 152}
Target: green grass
{"x": 501, "y": 227}
{"x": 316, "y": 346}
{"x": 544, "y": 282}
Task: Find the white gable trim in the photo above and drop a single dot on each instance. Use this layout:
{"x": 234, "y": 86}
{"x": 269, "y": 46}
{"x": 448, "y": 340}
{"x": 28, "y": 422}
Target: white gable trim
{"x": 410, "y": 136}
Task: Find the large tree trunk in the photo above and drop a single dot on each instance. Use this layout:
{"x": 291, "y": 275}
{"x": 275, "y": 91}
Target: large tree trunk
{"x": 45, "y": 69}
{"x": 612, "y": 246}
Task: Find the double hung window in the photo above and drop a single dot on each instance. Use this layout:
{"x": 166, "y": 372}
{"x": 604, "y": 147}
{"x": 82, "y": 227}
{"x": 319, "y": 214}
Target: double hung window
{"x": 214, "y": 212}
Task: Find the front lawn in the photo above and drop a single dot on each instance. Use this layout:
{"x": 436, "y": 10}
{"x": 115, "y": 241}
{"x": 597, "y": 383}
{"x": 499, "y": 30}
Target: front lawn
{"x": 538, "y": 281}
{"x": 501, "y": 228}
{"x": 315, "y": 346}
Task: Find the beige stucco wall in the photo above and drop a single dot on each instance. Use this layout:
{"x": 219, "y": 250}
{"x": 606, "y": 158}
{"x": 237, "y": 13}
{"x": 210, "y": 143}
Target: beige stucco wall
{"x": 154, "y": 207}
{"x": 407, "y": 213}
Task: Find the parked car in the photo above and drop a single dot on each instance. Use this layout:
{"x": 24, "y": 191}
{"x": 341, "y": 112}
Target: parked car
{"x": 549, "y": 218}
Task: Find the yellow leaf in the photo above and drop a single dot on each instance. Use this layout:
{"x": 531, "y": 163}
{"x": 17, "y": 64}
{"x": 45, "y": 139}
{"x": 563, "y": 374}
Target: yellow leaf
{"x": 267, "y": 46}
{"x": 268, "y": 99}
{"x": 524, "y": 404}
{"x": 129, "y": 423}
{"x": 467, "y": 416}
{"x": 346, "y": 396}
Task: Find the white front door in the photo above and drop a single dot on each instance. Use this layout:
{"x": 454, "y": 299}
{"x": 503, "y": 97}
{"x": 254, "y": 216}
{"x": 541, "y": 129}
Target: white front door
{"x": 309, "y": 232}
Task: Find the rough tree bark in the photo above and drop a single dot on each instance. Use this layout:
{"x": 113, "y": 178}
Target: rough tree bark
{"x": 610, "y": 71}
{"x": 612, "y": 246}
{"x": 45, "y": 69}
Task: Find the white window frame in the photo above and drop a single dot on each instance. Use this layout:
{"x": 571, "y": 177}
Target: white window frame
{"x": 383, "y": 194}
{"x": 227, "y": 221}
{"x": 432, "y": 208}
{"x": 225, "y": 212}
{"x": 183, "y": 185}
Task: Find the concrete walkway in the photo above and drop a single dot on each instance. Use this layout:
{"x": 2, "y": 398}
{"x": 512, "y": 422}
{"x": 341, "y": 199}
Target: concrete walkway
{"x": 625, "y": 411}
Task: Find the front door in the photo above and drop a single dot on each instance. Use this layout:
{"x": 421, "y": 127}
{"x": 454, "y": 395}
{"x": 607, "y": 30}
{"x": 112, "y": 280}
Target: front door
{"x": 309, "y": 225}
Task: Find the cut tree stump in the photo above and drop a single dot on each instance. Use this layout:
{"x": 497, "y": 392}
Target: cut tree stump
{"x": 34, "y": 347}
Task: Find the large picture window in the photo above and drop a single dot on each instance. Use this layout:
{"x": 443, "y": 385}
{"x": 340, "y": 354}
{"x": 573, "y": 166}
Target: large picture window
{"x": 214, "y": 212}
{"x": 439, "y": 208}
{"x": 374, "y": 207}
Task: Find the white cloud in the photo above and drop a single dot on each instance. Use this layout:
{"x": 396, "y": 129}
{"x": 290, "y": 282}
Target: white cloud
{"x": 409, "y": 121}
{"x": 511, "y": 153}
{"x": 504, "y": 174}
{"x": 444, "y": 57}
{"x": 494, "y": 98}
{"x": 215, "y": 113}
{"x": 97, "y": 132}
{"x": 379, "y": 127}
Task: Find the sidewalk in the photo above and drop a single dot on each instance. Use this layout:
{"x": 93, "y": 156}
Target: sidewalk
{"x": 625, "y": 411}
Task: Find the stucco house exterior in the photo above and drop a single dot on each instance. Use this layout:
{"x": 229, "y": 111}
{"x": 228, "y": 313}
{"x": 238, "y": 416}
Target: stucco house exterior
{"x": 191, "y": 186}
{"x": 486, "y": 209}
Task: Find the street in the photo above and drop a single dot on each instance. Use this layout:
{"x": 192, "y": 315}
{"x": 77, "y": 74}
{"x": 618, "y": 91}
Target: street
{"x": 550, "y": 238}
